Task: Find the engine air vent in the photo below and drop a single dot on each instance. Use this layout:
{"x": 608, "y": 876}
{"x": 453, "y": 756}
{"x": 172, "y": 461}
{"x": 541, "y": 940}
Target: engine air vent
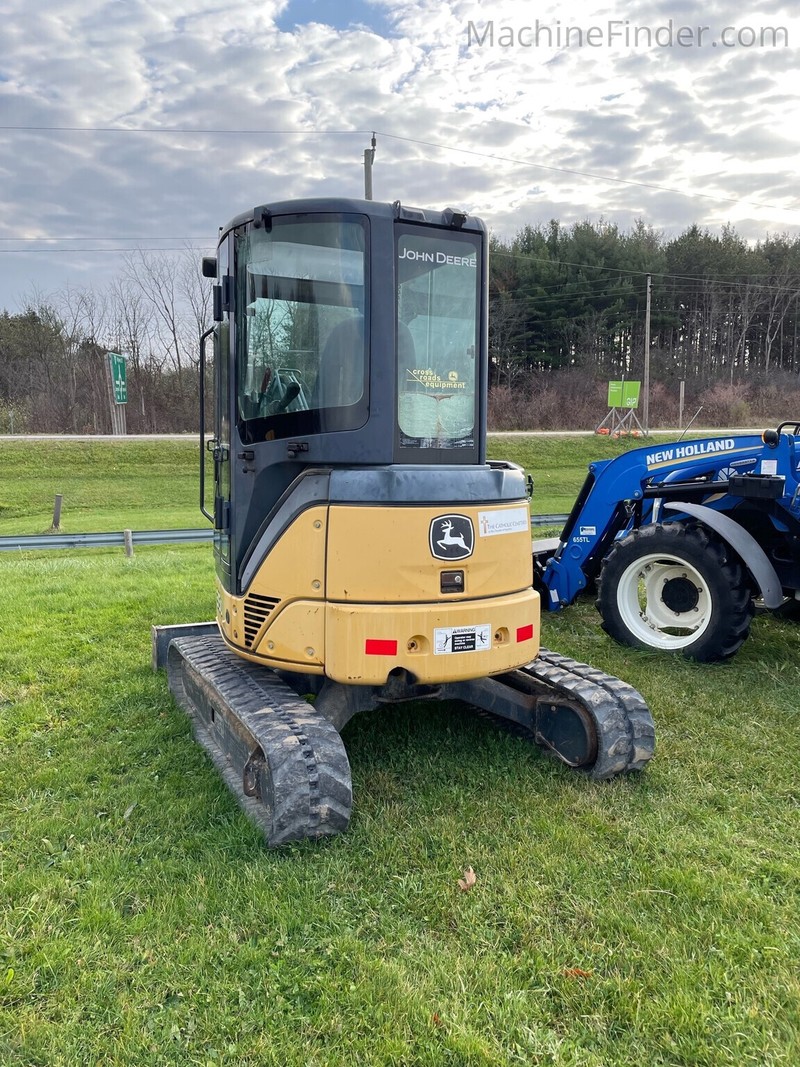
{"x": 256, "y": 610}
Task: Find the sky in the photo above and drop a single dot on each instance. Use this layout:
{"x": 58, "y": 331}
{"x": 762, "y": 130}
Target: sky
{"x": 130, "y": 124}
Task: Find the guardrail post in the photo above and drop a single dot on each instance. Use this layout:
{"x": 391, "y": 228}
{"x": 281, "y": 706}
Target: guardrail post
{"x": 128, "y": 538}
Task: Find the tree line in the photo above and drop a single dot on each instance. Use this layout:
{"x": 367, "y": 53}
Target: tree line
{"x": 576, "y": 296}
{"x": 567, "y": 304}
{"x": 54, "y": 374}
{"x": 567, "y": 313}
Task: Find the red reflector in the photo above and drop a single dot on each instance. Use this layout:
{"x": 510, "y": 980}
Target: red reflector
{"x": 525, "y": 633}
{"x": 373, "y": 647}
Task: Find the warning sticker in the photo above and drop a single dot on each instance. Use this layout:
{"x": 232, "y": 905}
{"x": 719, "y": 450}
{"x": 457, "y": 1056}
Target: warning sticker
{"x": 449, "y": 639}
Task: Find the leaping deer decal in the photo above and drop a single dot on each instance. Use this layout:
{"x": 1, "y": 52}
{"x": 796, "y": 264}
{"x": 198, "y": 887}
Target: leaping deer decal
{"x": 448, "y": 538}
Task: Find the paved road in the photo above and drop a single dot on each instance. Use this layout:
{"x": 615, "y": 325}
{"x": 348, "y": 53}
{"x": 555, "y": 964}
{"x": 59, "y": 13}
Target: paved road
{"x": 709, "y": 432}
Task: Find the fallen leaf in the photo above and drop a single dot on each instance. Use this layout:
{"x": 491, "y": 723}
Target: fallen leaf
{"x": 436, "y": 1019}
{"x": 468, "y": 881}
{"x": 129, "y": 811}
{"x": 576, "y": 972}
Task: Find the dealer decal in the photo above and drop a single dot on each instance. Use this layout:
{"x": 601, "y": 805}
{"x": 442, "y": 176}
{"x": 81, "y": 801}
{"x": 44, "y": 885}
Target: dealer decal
{"x": 512, "y": 520}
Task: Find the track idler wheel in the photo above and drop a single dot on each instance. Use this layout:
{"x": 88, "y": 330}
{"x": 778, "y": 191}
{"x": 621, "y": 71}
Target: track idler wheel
{"x": 569, "y": 732}
{"x": 591, "y": 721}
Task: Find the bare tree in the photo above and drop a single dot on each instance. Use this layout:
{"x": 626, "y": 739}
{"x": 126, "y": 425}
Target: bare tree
{"x": 82, "y": 314}
{"x": 130, "y": 332}
{"x": 196, "y": 291}
{"x": 154, "y": 276}
{"x": 507, "y": 350}
{"x": 179, "y": 302}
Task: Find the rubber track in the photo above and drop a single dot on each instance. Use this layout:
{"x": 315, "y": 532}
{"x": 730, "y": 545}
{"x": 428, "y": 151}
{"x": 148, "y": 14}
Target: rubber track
{"x": 625, "y": 731}
{"x": 305, "y": 782}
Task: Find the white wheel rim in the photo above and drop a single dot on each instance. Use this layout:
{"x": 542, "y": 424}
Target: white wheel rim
{"x": 642, "y": 608}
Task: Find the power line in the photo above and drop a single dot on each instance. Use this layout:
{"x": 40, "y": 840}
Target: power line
{"x": 80, "y": 251}
{"x": 610, "y": 297}
{"x": 698, "y": 280}
{"x": 579, "y": 173}
{"x": 559, "y": 287}
{"x": 167, "y": 130}
{"x": 525, "y": 256}
{"x": 184, "y": 130}
{"x": 91, "y": 237}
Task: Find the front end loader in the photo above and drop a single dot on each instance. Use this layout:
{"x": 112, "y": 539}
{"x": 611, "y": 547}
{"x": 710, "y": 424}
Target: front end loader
{"x": 684, "y": 540}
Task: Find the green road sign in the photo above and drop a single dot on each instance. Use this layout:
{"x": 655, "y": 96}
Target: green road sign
{"x": 119, "y": 376}
{"x": 615, "y": 394}
{"x": 623, "y": 394}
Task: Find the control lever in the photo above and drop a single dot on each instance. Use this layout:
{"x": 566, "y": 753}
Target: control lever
{"x": 292, "y": 392}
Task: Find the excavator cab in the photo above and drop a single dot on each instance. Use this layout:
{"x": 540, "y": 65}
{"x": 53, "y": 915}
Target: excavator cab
{"x": 366, "y": 551}
{"x": 358, "y": 529}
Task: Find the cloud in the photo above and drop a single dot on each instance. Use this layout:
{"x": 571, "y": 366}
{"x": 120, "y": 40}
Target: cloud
{"x": 458, "y": 123}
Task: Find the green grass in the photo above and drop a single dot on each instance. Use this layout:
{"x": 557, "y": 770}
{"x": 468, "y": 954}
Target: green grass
{"x": 106, "y": 485}
{"x": 153, "y": 485}
{"x": 648, "y": 921}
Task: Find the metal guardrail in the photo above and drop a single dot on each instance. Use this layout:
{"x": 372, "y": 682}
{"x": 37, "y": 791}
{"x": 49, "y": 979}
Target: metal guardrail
{"x": 40, "y": 542}
{"x": 36, "y": 543}
{"x": 548, "y": 520}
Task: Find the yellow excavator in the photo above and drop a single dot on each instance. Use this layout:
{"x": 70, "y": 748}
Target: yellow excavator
{"x": 366, "y": 551}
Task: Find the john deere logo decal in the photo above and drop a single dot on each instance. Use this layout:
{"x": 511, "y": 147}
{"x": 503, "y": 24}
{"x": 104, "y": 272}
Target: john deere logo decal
{"x": 451, "y": 537}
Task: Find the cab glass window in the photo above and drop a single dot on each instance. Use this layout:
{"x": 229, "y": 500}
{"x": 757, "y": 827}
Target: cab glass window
{"x": 302, "y": 344}
{"x": 437, "y": 339}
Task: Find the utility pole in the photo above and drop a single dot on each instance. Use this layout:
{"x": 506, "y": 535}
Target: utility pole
{"x": 646, "y": 406}
{"x": 369, "y": 159}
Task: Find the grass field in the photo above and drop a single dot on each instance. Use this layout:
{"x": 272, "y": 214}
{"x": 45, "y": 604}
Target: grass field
{"x": 651, "y": 920}
{"x": 153, "y": 485}
{"x": 105, "y": 485}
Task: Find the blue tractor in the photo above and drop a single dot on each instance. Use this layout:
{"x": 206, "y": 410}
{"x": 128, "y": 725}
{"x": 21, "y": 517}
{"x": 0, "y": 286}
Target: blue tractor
{"x": 682, "y": 540}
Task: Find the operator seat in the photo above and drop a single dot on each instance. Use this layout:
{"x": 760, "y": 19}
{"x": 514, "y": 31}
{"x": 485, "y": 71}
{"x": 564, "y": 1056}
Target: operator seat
{"x": 340, "y": 381}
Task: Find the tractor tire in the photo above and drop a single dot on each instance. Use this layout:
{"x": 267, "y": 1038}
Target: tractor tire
{"x": 676, "y": 588}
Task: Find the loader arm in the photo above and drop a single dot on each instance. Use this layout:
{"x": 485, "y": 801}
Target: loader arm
{"x": 630, "y": 491}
